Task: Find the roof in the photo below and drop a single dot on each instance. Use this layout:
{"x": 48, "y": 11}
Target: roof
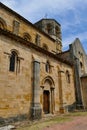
{"x": 25, "y": 20}
{"x": 33, "y": 46}
{"x": 63, "y": 52}
{"x": 48, "y": 19}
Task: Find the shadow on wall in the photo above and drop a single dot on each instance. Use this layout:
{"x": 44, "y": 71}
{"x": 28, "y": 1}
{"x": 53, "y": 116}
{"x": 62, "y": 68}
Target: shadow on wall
{"x": 73, "y": 107}
{"x": 7, "y": 121}
{"x": 70, "y": 108}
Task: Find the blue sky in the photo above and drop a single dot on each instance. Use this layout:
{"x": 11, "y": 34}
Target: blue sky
{"x": 71, "y": 14}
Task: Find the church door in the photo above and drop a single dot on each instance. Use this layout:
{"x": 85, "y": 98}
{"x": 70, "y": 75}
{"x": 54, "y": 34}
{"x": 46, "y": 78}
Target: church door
{"x": 46, "y": 102}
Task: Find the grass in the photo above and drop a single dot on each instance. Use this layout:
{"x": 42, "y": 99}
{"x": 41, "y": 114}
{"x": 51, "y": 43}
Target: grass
{"x": 59, "y": 119}
{"x": 84, "y": 113}
{"x": 46, "y": 123}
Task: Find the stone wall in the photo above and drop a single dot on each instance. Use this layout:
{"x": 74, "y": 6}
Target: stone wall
{"x": 79, "y": 53}
{"x": 84, "y": 90}
{"x": 16, "y": 88}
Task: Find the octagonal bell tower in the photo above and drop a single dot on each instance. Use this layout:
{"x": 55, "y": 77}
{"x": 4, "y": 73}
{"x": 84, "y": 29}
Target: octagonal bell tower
{"x": 53, "y": 29}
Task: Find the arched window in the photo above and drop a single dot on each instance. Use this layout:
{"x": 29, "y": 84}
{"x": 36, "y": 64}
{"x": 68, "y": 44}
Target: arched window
{"x": 81, "y": 66}
{"x": 3, "y": 24}
{"x": 67, "y": 76}
{"x": 57, "y": 31}
{"x": 13, "y": 61}
{"x": 47, "y": 67}
{"x": 49, "y": 28}
{"x": 45, "y": 47}
{"x": 27, "y": 36}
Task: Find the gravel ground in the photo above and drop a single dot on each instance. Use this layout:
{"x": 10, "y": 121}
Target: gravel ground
{"x": 78, "y": 123}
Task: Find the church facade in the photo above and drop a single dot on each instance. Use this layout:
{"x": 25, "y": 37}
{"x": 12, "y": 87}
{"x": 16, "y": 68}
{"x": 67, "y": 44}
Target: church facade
{"x": 76, "y": 53}
{"x": 34, "y": 80}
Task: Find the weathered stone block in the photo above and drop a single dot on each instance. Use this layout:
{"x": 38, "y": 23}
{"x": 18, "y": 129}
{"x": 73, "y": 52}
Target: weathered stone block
{"x": 36, "y": 113}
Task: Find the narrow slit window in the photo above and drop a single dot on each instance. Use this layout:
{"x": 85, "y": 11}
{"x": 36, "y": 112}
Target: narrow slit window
{"x": 47, "y": 67}
{"x": 13, "y": 61}
{"x": 68, "y": 76}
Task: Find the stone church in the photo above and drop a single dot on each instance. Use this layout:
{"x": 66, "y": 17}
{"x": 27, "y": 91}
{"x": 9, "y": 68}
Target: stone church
{"x": 35, "y": 78}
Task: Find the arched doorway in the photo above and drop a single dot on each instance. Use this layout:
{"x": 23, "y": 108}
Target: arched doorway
{"x": 48, "y": 95}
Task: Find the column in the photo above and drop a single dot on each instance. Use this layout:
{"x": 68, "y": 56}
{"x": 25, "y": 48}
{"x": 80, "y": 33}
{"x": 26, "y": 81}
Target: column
{"x": 79, "y": 102}
{"x": 61, "y": 80}
{"x": 36, "y": 111}
{"x": 78, "y": 93}
{"x": 52, "y": 101}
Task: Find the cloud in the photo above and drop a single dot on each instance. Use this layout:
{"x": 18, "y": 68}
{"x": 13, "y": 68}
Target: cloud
{"x": 68, "y": 40}
{"x": 9, "y": 3}
{"x": 36, "y": 9}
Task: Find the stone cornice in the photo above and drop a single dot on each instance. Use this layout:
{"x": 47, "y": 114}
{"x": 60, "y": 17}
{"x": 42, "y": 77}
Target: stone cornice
{"x": 33, "y": 46}
{"x": 25, "y": 20}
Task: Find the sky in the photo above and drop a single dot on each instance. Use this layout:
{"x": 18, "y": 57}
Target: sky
{"x": 71, "y": 14}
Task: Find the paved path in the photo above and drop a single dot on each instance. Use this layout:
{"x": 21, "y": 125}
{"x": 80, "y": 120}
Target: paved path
{"x": 78, "y": 123}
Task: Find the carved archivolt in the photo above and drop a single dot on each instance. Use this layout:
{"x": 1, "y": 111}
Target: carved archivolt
{"x": 50, "y": 80}
{"x": 27, "y": 36}
{"x": 45, "y": 47}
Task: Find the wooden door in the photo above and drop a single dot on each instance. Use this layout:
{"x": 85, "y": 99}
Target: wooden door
{"x": 46, "y": 103}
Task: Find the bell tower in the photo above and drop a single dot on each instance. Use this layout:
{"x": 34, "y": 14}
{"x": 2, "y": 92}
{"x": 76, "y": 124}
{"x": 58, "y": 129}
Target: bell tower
{"x": 53, "y": 29}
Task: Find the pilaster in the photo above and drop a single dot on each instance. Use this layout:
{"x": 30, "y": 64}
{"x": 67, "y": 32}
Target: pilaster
{"x": 36, "y": 111}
